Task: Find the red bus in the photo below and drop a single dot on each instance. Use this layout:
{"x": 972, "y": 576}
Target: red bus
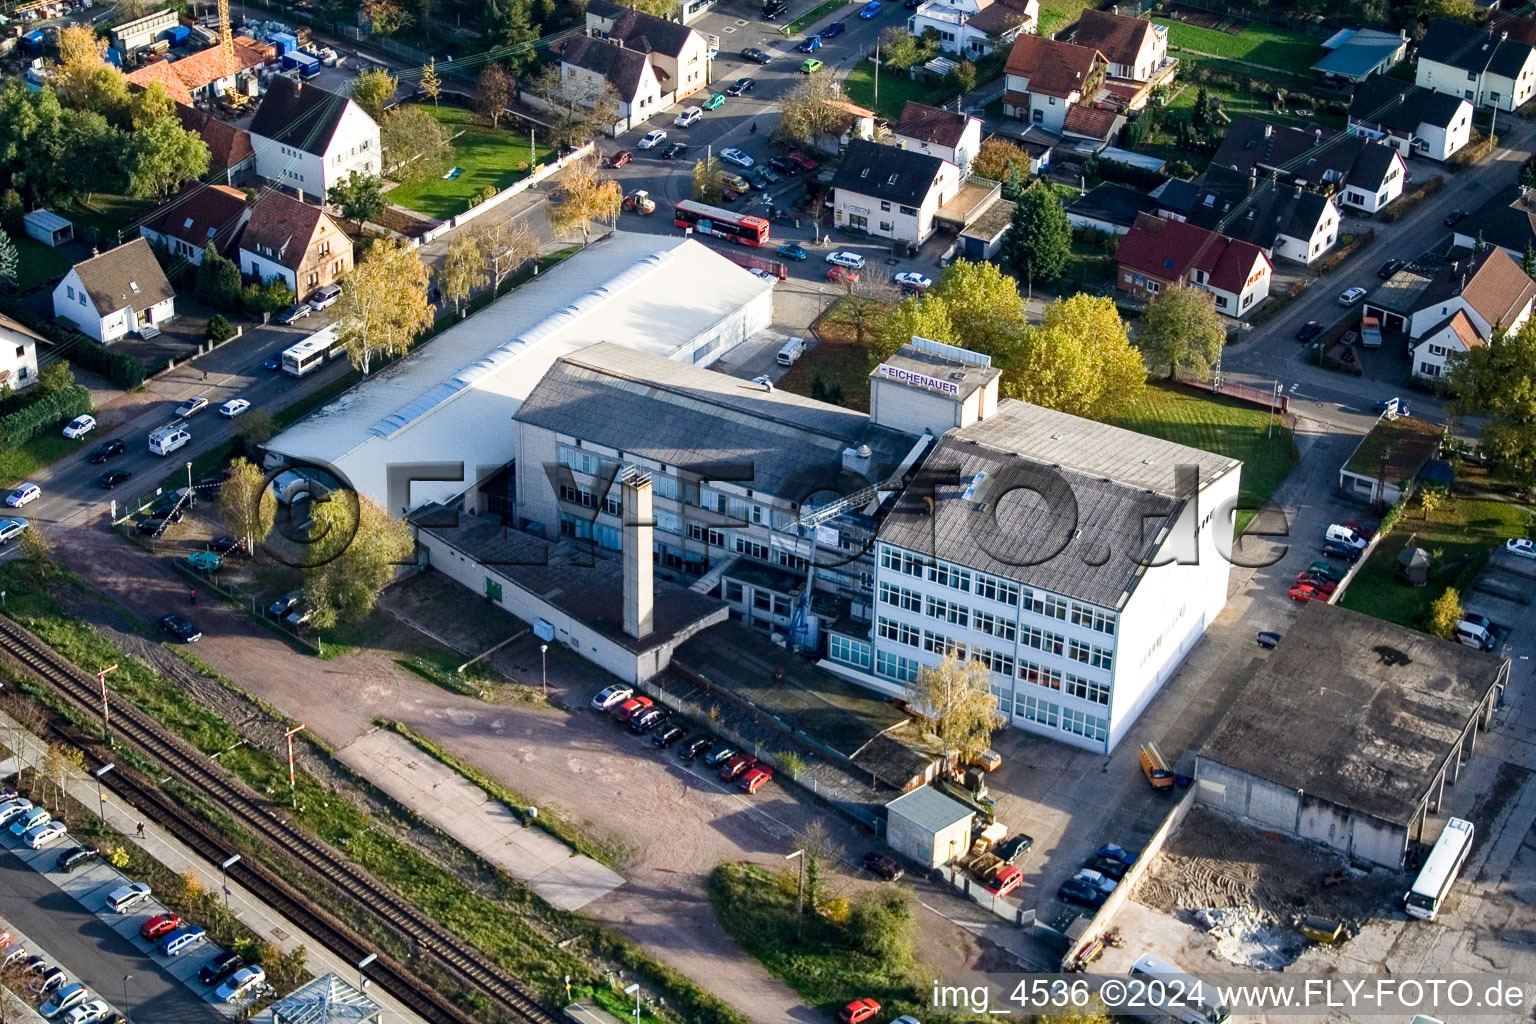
{"x": 711, "y": 220}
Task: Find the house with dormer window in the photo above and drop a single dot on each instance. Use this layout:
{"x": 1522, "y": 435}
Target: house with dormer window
{"x": 114, "y": 293}
{"x": 891, "y": 193}
{"x": 200, "y": 216}
{"x": 292, "y": 240}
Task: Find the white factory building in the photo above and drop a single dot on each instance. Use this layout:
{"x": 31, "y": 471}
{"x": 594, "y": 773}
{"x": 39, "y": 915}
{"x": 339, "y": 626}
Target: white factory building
{"x": 443, "y": 415}
{"x": 1079, "y": 561}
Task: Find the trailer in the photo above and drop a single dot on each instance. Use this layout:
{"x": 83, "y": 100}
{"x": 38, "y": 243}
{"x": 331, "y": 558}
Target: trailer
{"x": 306, "y": 65}
{"x": 284, "y": 42}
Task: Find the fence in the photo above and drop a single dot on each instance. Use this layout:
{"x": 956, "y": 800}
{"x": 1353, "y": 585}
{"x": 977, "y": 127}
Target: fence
{"x": 1274, "y": 401}
{"x": 535, "y": 176}
{"x": 1001, "y": 906}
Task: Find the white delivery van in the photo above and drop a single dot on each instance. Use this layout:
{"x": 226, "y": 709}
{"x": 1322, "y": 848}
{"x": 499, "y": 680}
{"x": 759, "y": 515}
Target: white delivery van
{"x": 791, "y": 350}
{"x": 1473, "y": 635}
{"x": 168, "y": 438}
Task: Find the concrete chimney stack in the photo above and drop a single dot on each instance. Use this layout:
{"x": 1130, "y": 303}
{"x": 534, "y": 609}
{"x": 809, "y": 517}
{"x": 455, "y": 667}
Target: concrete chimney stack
{"x": 639, "y": 577}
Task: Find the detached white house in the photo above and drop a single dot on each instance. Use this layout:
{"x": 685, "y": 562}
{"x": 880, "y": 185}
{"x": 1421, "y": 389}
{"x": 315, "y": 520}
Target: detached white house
{"x": 973, "y": 28}
{"x": 891, "y": 193}
{"x": 117, "y": 292}
{"x": 946, "y": 134}
{"x": 1046, "y": 78}
{"x": 587, "y": 62}
{"x": 1463, "y": 306}
{"x": 310, "y": 139}
{"x": 1483, "y": 65}
{"x": 1413, "y": 120}
{"x": 1136, "y": 49}
{"x": 18, "y": 354}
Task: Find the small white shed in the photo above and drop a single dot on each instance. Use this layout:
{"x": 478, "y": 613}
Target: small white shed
{"x": 928, "y": 827}
{"x": 48, "y": 227}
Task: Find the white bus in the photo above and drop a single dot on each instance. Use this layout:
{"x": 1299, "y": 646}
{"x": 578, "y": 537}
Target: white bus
{"x": 313, "y": 352}
{"x": 1178, "y": 995}
{"x": 1440, "y": 870}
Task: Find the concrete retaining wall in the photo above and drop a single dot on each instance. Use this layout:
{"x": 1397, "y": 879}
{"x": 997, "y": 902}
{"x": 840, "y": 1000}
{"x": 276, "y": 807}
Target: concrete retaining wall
{"x": 517, "y": 188}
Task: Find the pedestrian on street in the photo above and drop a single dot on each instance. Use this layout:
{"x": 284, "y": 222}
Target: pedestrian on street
{"x": 754, "y": 128}
{"x": 205, "y": 375}
{"x": 141, "y": 830}
{"x": 192, "y": 595}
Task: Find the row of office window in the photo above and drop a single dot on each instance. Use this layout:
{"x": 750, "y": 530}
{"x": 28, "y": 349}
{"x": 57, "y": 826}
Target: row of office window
{"x": 1054, "y": 679}
{"x": 1004, "y": 629}
{"x": 999, "y": 590}
{"x": 1044, "y": 712}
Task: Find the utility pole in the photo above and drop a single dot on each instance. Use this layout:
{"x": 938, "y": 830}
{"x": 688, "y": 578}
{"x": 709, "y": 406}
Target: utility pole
{"x": 877, "y": 72}
{"x": 106, "y": 715}
{"x": 799, "y": 855}
{"x": 293, "y": 792}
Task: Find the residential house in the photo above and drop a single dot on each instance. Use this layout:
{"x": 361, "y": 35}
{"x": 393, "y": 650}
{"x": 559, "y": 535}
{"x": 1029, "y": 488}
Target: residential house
{"x": 1506, "y": 219}
{"x": 1135, "y": 48}
{"x": 1157, "y": 254}
{"x": 1286, "y": 221}
{"x": 856, "y": 123}
{"x": 680, "y": 54}
{"x": 1454, "y": 335}
{"x": 974, "y": 28}
{"x": 310, "y": 139}
{"x": 891, "y": 193}
{"x": 586, "y": 63}
{"x": 1355, "y": 54}
{"x": 1486, "y": 67}
{"x": 161, "y": 72}
{"x": 18, "y": 354}
{"x": 230, "y": 154}
{"x": 1356, "y": 170}
{"x": 1110, "y": 208}
{"x": 946, "y": 134}
{"x": 292, "y": 240}
{"x": 115, "y": 292}
{"x": 1046, "y": 78}
{"x": 1413, "y": 120}
{"x": 1093, "y": 127}
{"x": 198, "y": 215}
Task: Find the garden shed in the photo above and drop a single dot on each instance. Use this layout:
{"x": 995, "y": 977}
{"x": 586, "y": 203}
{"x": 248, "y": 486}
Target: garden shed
{"x": 927, "y": 827}
{"x": 1413, "y": 566}
{"x": 48, "y": 227}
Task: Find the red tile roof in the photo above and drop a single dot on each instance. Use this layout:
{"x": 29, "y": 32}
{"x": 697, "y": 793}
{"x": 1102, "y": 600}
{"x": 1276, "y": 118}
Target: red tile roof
{"x": 1497, "y": 288}
{"x": 1119, "y": 38}
{"x": 1052, "y": 67}
{"x": 207, "y": 66}
{"x": 200, "y": 214}
{"x": 1090, "y": 122}
{"x": 162, "y": 72}
{"x": 931, "y": 124}
{"x": 1464, "y": 328}
{"x": 282, "y": 224}
{"x": 1169, "y": 249}
{"x": 227, "y": 145}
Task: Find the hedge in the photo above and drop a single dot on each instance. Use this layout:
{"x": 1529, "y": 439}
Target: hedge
{"x": 21, "y": 426}
{"x": 125, "y": 371}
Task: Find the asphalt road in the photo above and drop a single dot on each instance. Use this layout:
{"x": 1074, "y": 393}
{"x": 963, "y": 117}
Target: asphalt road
{"x": 90, "y": 952}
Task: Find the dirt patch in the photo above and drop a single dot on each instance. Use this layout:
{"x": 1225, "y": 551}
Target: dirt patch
{"x": 1208, "y": 19}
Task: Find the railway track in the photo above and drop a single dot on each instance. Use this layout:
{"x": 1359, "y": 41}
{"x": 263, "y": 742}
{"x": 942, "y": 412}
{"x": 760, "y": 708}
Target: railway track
{"x": 252, "y": 811}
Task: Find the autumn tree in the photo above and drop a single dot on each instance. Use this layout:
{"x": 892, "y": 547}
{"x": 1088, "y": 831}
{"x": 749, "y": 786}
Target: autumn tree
{"x": 463, "y": 271}
{"x": 506, "y": 245}
{"x": 357, "y": 550}
{"x": 660, "y": 8}
{"x": 959, "y": 705}
{"x": 1182, "y": 331}
{"x": 385, "y": 17}
{"x": 247, "y": 505}
{"x": 923, "y": 316}
{"x": 360, "y": 197}
{"x": 706, "y": 180}
{"x": 1078, "y": 360}
{"x": 811, "y": 109}
{"x": 148, "y": 105}
{"x": 583, "y": 196}
{"x": 383, "y": 305}
{"x": 81, "y": 56}
{"x": 1444, "y": 614}
{"x": 164, "y": 155}
{"x": 578, "y": 106}
{"x": 431, "y": 85}
{"x": 416, "y": 145}
{"x": 493, "y": 94}
{"x": 1038, "y": 244}
{"x": 986, "y": 311}
{"x": 372, "y": 90}
{"x": 865, "y": 303}
{"x": 997, "y": 158}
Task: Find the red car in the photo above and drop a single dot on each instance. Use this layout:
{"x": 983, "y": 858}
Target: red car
{"x": 754, "y": 779}
{"x": 156, "y": 927}
{"x": 837, "y": 275}
{"x": 859, "y": 1010}
{"x": 807, "y": 165}
{"x": 1322, "y": 584}
{"x": 1360, "y": 531}
{"x": 620, "y": 158}
{"x": 1304, "y": 592}
{"x": 632, "y": 707}
{"x": 1005, "y": 881}
{"x": 736, "y": 766}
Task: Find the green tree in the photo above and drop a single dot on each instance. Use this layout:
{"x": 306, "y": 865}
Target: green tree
{"x": 509, "y": 23}
{"x": 1078, "y": 360}
{"x": 922, "y": 316}
{"x": 1038, "y": 245}
{"x": 219, "y": 328}
{"x": 162, "y": 156}
{"x": 416, "y": 145}
{"x": 269, "y": 296}
{"x": 372, "y": 90}
{"x": 10, "y": 262}
{"x": 706, "y": 180}
{"x": 56, "y": 376}
{"x": 1528, "y": 260}
{"x": 963, "y": 77}
{"x": 148, "y": 105}
{"x": 959, "y": 706}
{"x": 383, "y": 306}
{"x": 1182, "y": 331}
{"x": 882, "y": 924}
{"x": 247, "y": 506}
{"x": 899, "y": 49}
{"x": 253, "y": 430}
{"x": 37, "y": 550}
{"x": 1499, "y": 379}
{"x": 218, "y": 282}
{"x": 357, "y": 551}
{"x": 1444, "y": 614}
{"x": 431, "y": 85}
{"x": 463, "y": 270}
{"x": 360, "y": 197}
{"x": 494, "y": 93}
{"x": 985, "y": 308}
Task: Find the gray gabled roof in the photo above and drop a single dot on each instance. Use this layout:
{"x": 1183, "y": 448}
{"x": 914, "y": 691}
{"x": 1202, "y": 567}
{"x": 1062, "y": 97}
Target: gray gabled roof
{"x": 1111, "y": 493}
{"x": 1473, "y": 49}
{"x": 638, "y": 30}
{"x": 128, "y": 276}
{"x": 884, "y": 172}
{"x": 621, "y": 67}
{"x": 299, "y": 115}
{"x": 929, "y": 809}
{"x": 1400, "y": 106}
{"x": 1112, "y": 204}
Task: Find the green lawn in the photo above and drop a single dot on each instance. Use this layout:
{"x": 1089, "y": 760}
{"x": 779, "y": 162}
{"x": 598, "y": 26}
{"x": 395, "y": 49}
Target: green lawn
{"x": 1457, "y": 536}
{"x": 1056, "y": 15}
{"x": 1237, "y": 101}
{"x": 108, "y": 214}
{"x": 895, "y": 90}
{"x": 1223, "y": 426}
{"x": 47, "y": 447}
{"x": 39, "y": 265}
{"x": 489, "y": 156}
{"x": 1257, "y": 44}
{"x": 812, "y": 16}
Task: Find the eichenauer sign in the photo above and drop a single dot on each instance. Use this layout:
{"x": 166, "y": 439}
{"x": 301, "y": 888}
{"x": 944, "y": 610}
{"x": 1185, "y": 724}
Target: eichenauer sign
{"x": 921, "y": 380}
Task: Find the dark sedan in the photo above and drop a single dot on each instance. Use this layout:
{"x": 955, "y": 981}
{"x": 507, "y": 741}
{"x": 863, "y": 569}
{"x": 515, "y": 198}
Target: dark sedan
{"x": 1390, "y": 267}
{"x": 756, "y": 56}
{"x": 833, "y": 30}
{"x": 112, "y": 477}
{"x": 666, "y": 737}
{"x": 1084, "y": 894}
{"x": 109, "y": 450}
{"x": 181, "y": 629}
{"x": 694, "y": 747}
{"x": 784, "y": 165}
{"x": 674, "y": 151}
{"x": 740, "y": 86}
{"x": 1309, "y": 330}
{"x": 885, "y": 867}
{"x": 1456, "y": 217}
{"x": 1014, "y": 847}
{"x": 1348, "y": 552}
{"x": 227, "y": 545}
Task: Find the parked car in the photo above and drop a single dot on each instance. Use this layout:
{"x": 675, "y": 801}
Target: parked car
{"x": 245, "y": 981}
{"x": 647, "y": 720}
{"x": 615, "y": 694}
{"x": 1302, "y": 592}
{"x": 1083, "y": 894}
{"x": 1309, "y": 330}
{"x": 833, "y": 30}
{"x": 181, "y": 628}
{"x": 285, "y": 604}
{"x": 694, "y": 747}
{"x": 1109, "y": 867}
{"x": 10, "y": 529}
{"x": 11, "y": 808}
{"x": 886, "y": 867}
{"x": 220, "y": 967}
{"x": 801, "y": 161}
{"x": 740, "y": 87}
{"x": 159, "y": 926}
{"x": 791, "y": 251}
{"x": 94, "y": 1011}
{"x": 721, "y": 754}
{"x": 1455, "y": 217}
{"x": 652, "y": 139}
{"x": 1269, "y": 639}
{"x": 756, "y": 56}
{"x": 858, "y": 1011}
{"x": 112, "y": 477}
{"x": 324, "y": 298}
{"x": 1005, "y": 881}
{"x": 234, "y": 407}
{"x": 1396, "y": 406}
{"x": 761, "y": 177}
{"x": 1390, "y": 267}
{"x": 182, "y": 939}
{"x": 715, "y": 102}
{"x": 810, "y": 44}
{"x": 755, "y": 779}
{"x": 870, "y": 10}
{"x": 44, "y": 834}
{"x": 33, "y": 817}
{"x": 1348, "y": 552}
{"x": 229, "y": 546}
{"x": 1341, "y": 534}
{"x": 736, "y": 767}
{"x": 75, "y": 856}
{"x": 23, "y": 494}
{"x": 107, "y": 450}
{"x": 810, "y": 66}
{"x": 1351, "y": 296}
{"x": 687, "y": 116}
{"x": 911, "y": 280}
{"x": 293, "y": 314}
{"x": 844, "y": 258}
{"x": 50, "y": 978}
{"x": 630, "y": 708}
{"x": 620, "y": 158}
{"x": 1011, "y": 849}
{"x": 1321, "y": 584}
{"x": 837, "y": 275}
{"x": 125, "y": 898}
{"x": 78, "y": 427}
{"x": 773, "y": 8}
{"x": 1521, "y": 547}
{"x": 784, "y": 165}
{"x": 731, "y": 155}
{"x": 664, "y": 738}
{"x": 67, "y": 997}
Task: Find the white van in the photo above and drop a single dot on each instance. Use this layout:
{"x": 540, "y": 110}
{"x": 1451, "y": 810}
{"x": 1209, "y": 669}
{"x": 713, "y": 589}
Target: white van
{"x": 1473, "y": 635}
{"x": 791, "y": 350}
{"x": 168, "y": 439}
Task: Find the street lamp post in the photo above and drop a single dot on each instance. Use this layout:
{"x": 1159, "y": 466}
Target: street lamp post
{"x": 635, "y": 988}
{"x": 293, "y": 792}
{"x": 126, "y": 979}
{"x": 362, "y": 979}
{"x": 799, "y": 855}
{"x": 224, "y": 876}
{"x": 189, "y": 482}
{"x": 544, "y": 667}
{"x": 106, "y": 716}
{"x": 101, "y": 801}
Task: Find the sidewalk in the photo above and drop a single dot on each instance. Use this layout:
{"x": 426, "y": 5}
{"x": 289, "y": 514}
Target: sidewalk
{"x": 162, "y": 846}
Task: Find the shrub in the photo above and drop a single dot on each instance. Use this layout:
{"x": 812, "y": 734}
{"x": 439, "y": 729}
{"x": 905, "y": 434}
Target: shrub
{"x": 219, "y": 329}
{"x": 123, "y": 370}
{"x": 48, "y": 410}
